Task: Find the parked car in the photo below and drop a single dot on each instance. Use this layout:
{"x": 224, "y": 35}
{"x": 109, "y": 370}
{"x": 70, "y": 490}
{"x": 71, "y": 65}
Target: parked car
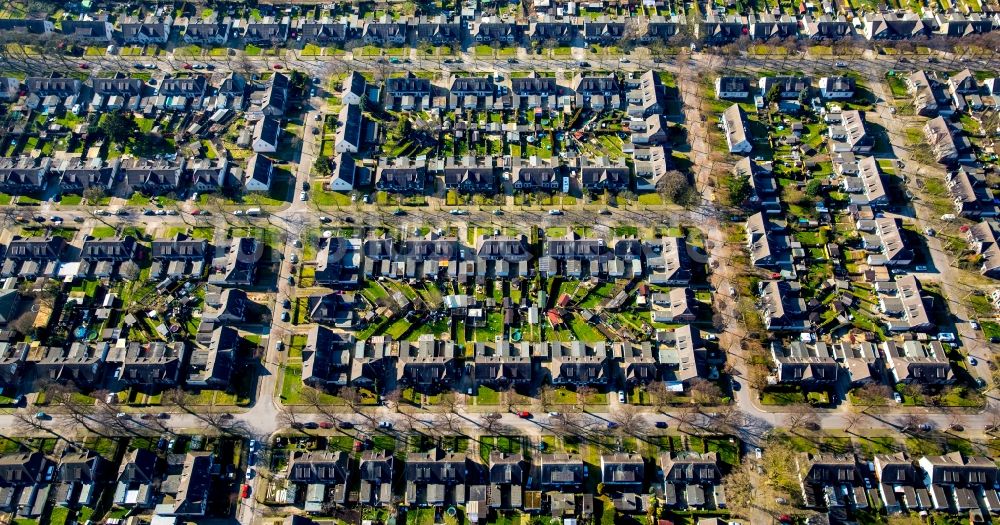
{"x": 896, "y": 397}
{"x": 245, "y": 491}
{"x": 385, "y": 424}
{"x": 555, "y": 212}
{"x": 346, "y": 425}
{"x": 325, "y": 424}
{"x": 661, "y": 424}
{"x": 524, "y": 414}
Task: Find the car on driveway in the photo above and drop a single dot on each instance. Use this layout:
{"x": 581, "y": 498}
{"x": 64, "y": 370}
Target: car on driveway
{"x": 896, "y": 397}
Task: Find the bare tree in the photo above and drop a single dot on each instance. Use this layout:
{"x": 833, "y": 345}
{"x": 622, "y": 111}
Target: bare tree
{"x": 801, "y": 416}
{"x": 686, "y": 416}
{"x": 872, "y": 397}
{"x": 582, "y": 395}
{"x": 705, "y": 392}
{"x": 450, "y": 421}
{"x": 630, "y": 422}
{"x": 491, "y": 422}
{"x": 546, "y": 396}
{"x": 911, "y": 422}
{"x": 660, "y": 396}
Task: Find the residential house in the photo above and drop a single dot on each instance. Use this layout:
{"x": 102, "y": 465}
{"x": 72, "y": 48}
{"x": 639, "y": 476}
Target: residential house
{"x": 348, "y": 136}
{"x": 376, "y": 471}
{"x": 645, "y": 96}
{"x": 893, "y": 26}
{"x": 929, "y": 96}
{"x": 502, "y": 364}
{"x": 437, "y": 478}
{"x": 902, "y": 305}
{"x": 732, "y": 87}
{"x": 836, "y": 87}
{"x": 867, "y": 188}
{"x": 80, "y": 473}
{"x": 602, "y": 174}
{"x": 355, "y": 89}
{"x": 385, "y": 33}
{"x": 24, "y": 175}
{"x": 829, "y": 480}
{"x": 110, "y": 258}
{"x": 508, "y": 474}
{"x": 266, "y": 134}
{"x": 338, "y": 262}
{"x": 259, "y": 173}
{"x": 898, "y": 481}
{"x": 623, "y": 472}
{"x": 598, "y": 92}
{"x": 764, "y": 195}
{"x": 883, "y": 239}
{"x": 767, "y": 243}
{"x": 603, "y": 30}
{"x": 677, "y": 306}
{"x": 325, "y": 475}
{"x": 764, "y": 26}
{"x": 12, "y": 27}
{"x": 813, "y": 366}
{"x": 337, "y": 309}
{"x": 971, "y": 194}
{"x": 956, "y": 481}
{"x": 983, "y": 240}
{"x": 534, "y": 177}
{"x": 32, "y": 256}
{"x": 848, "y": 132}
{"x": 781, "y": 307}
{"x": 547, "y": 28}
{"x": 438, "y": 31}
{"x": 734, "y": 123}
{"x": 178, "y": 257}
{"x": 946, "y": 144}
{"x": 86, "y": 32}
{"x": 401, "y": 175}
{"x": 578, "y": 363}
{"x": 427, "y": 364}
{"x": 327, "y": 32}
{"x": 372, "y": 361}
{"x": 721, "y": 29}
{"x": 151, "y": 176}
{"x": 192, "y": 487}
{"x": 207, "y": 175}
{"x": 326, "y": 358}
{"x": 470, "y": 174}
{"x": 825, "y": 26}
{"x": 149, "y": 366}
{"x": 77, "y": 175}
{"x": 561, "y": 472}
{"x": 690, "y": 480}
{"x": 266, "y": 32}
{"x": 471, "y": 92}
{"x": 137, "y": 477}
{"x": 207, "y": 32}
{"x": 788, "y": 87}
{"x": 668, "y": 262}
{"x": 534, "y": 92}
{"x": 239, "y": 266}
{"x": 77, "y": 364}
{"x": 272, "y": 101}
{"x": 917, "y": 362}
{"x": 212, "y": 365}
{"x": 181, "y": 93}
{"x": 153, "y": 30}
{"x": 488, "y": 31}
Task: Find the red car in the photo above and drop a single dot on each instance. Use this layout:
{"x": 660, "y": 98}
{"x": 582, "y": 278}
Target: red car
{"x": 524, "y": 414}
{"x": 186, "y": 66}
{"x": 196, "y": 212}
{"x": 84, "y": 66}
{"x": 325, "y": 424}
{"x": 245, "y": 491}
{"x": 278, "y": 66}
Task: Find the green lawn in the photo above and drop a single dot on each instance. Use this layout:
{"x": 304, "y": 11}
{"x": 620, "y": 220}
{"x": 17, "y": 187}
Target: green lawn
{"x": 487, "y": 396}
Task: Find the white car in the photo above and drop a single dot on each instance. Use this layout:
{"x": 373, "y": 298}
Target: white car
{"x": 555, "y": 212}
{"x": 946, "y": 337}
{"x": 758, "y": 452}
{"x": 621, "y": 396}
{"x": 302, "y": 195}
{"x": 974, "y": 325}
{"x": 896, "y": 397}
